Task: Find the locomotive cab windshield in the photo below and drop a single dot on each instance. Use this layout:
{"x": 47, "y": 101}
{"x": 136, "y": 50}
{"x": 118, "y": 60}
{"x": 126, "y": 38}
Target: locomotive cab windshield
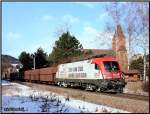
{"x": 111, "y": 66}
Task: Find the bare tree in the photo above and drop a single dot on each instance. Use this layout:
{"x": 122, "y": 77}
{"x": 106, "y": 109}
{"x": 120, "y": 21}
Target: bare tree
{"x": 136, "y": 25}
{"x": 134, "y": 19}
{"x": 115, "y": 13}
{"x": 104, "y": 38}
{"x": 130, "y": 18}
{"x": 62, "y": 28}
{"x": 143, "y": 30}
{"x": 124, "y": 14}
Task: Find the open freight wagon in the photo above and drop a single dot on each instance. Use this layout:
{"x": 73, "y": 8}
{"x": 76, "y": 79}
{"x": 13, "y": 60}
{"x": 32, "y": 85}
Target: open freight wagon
{"x": 41, "y": 75}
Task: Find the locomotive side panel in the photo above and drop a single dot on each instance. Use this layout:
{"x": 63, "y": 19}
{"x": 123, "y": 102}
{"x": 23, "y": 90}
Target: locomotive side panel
{"x": 78, "y": 70}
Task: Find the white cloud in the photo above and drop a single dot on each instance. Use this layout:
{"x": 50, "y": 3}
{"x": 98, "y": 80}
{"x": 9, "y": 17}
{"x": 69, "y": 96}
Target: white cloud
{"x": 90, "y": 30}
{"x": 103, "y": 16}
{"x": 12, "y": 35}
{"x": 47, "y": 18}
{"x": 93, "y": 39}
{"x": 70, "y": 18}
{"x": 87, "y": 4}
{"x": 87, "y": 37}
{"x": 46, "y": 43}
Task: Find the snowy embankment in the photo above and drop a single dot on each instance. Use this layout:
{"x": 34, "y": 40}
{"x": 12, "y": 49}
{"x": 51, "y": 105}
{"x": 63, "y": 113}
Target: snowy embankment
{"x": 4, "y": 82}
{"x": 20, "y": 98}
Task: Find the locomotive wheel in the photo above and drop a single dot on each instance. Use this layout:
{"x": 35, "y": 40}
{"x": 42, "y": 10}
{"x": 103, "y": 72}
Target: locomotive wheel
{"x": 59, "y": 84}
{"x": 98, "y": 89}
{"x": 120, "y": 90}
{"x": 64, "y": 84}
{"x": 90, "y": 87}
{"x": 101, "y": 89}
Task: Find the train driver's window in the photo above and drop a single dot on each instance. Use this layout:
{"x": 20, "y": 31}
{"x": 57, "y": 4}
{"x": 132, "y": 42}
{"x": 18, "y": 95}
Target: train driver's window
{"x": 96, "y": 66}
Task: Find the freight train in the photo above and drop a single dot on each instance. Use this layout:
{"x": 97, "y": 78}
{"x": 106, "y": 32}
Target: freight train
{"x": 97, "y": 74}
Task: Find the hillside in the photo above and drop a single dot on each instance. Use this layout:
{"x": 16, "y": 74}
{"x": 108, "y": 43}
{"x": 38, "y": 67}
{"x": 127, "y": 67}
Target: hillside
{"x": 9, "y": 59}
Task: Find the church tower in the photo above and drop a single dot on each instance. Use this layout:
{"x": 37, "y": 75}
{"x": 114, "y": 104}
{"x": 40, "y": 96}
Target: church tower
{"x": 114, "y": 43}
{"x": 119, "y": 47}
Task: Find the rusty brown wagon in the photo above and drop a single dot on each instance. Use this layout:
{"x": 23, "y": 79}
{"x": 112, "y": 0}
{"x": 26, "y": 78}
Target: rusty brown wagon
{"x": 41, "y": 75}
{"x": 27, "y": 75}
{"x": 35, "y": 75}
{"x": 48, "y": 74}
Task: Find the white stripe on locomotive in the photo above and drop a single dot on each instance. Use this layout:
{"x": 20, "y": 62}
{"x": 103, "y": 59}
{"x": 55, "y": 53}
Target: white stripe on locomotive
{"x": 78, "y": 70}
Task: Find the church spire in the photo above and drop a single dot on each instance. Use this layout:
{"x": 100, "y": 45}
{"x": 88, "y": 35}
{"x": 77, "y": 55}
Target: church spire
{"x": 119, "y": 32}
{"x": 119, "y": 46}
{"x": 120, "y": 39}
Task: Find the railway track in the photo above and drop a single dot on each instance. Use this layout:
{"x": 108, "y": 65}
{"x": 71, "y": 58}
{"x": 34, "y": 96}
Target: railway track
{"x": 121, "y": 95}
{"x": 133, "y": 96}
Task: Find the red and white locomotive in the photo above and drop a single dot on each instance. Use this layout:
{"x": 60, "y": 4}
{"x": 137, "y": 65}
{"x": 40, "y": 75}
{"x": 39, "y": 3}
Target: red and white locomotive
{"x": 100, "y": 74}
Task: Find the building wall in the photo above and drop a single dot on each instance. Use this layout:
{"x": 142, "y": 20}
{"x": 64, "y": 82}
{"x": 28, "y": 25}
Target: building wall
{"x": 119, "y": 46}
{"x": 122, "y": 58}
{"x": 6, "y": 72}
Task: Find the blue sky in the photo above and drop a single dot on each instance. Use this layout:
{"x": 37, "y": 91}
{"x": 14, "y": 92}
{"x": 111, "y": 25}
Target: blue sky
{"x": 28, "y": 26}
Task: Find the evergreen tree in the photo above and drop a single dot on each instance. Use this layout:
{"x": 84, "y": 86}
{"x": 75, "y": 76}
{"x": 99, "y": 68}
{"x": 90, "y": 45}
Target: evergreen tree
{"x": 26, "y": 60}
{"x": 40, "y": 58}
{"x": 65, "y": 49}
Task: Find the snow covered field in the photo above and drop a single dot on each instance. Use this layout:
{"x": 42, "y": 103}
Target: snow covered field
{"x": 20, "y": 98}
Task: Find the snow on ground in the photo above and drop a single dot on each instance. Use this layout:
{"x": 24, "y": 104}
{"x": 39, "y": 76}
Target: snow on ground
{"x": 24, "y": 99}
{"x": 4, "y": 82}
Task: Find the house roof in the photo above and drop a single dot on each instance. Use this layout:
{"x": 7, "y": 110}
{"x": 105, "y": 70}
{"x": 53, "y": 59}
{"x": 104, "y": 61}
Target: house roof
{"x": 105, "y": 52}
{"x": 132, "y": 72}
